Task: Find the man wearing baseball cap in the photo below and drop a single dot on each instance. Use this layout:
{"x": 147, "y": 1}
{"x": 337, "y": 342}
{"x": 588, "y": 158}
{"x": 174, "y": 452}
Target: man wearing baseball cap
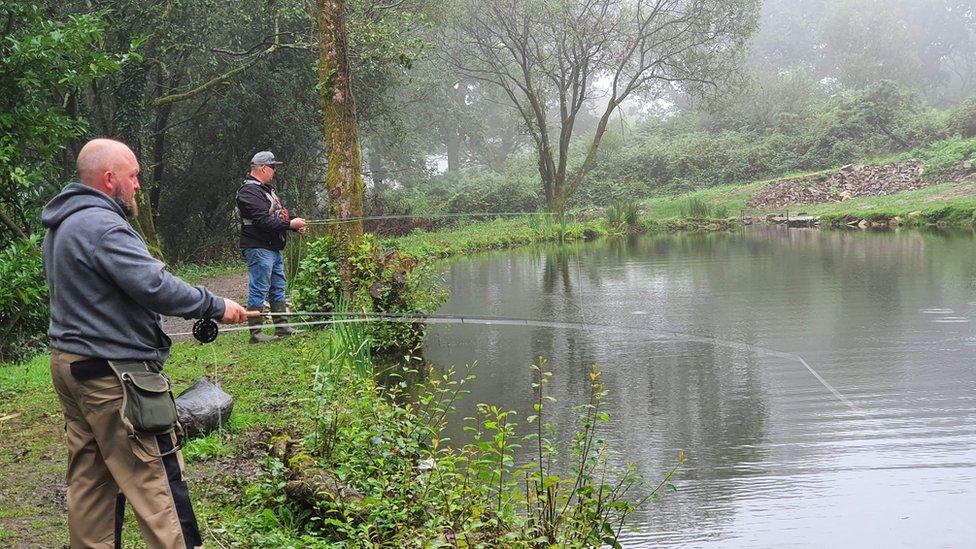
{"x": 264, "y": 229}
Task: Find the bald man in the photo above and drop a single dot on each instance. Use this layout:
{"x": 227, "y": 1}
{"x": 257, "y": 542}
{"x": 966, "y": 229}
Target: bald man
{"x": 107, "y": 294}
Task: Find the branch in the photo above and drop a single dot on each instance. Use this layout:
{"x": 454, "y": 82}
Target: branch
{"x": 264, "y": 41}
{"x": 11, "y": 225}
{"x": 183, "y": 96}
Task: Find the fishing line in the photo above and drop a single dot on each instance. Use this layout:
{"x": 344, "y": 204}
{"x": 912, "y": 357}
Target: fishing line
{"x": 451, "y": 215}
{"x": 482, "y": 320}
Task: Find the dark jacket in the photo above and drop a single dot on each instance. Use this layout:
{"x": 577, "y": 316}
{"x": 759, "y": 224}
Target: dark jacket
{"x": 264, "y": 220}
{"x": 106, "y": 290}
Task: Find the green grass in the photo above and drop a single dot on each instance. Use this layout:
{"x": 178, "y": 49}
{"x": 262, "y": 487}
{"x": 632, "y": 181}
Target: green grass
{"x": 270, "y": 390}
{"x": 492, "y": 235}
{"x": 194, "y": 273}
{"x": 731, "y": 198}
{"x": 947, "y": 204}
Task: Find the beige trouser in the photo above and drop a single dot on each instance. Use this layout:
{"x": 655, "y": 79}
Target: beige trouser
{"x": 106, "y": 468}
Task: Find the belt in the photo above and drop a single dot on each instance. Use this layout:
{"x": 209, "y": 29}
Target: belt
{"x": 91, "y": 368}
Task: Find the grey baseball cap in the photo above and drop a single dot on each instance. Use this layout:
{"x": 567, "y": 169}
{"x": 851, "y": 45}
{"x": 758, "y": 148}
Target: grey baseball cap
{"x": 264, "y": 158}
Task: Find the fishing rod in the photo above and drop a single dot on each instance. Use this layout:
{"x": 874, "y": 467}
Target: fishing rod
{"x": 450, "y": 215}
{"x": 206, "y": 331}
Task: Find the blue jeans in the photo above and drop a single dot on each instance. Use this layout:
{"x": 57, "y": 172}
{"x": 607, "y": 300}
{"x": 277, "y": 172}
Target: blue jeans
{"x": 265, "y": 276}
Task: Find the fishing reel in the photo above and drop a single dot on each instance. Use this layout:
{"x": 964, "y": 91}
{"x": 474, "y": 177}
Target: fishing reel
{"x": 205, "y": 330}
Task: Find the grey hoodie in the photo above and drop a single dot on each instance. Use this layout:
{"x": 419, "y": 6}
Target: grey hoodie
{"x": 107, "y": 291}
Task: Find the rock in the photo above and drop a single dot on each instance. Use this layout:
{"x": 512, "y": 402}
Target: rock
{"x": 863, "y": 224}
{"x": 803, "y": 221}
{"x": 894, "y": 222}
{"x": 879, "y": 224}
{"x": 376, "y": 289}
{"x": 314, "y": 486}
{"x": 967, "y": 165}
{"x": 307, "y": 482}
{"x": 203, "y": 407}
{"x": 850, "y": 182}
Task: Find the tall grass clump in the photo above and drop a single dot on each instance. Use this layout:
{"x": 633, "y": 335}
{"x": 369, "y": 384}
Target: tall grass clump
{"x": 623, "y": 216}
{"x": 695, "y": 207}
{"x": 943, "y": 156}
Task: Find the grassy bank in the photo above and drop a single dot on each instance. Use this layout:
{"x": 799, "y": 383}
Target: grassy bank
{"x": 493, "y": 235}
{"x": 314, "y": 412}
{"x": 946, "y": 205}
{"x": 499, "y": 234}
{"x": 33, "y": 446}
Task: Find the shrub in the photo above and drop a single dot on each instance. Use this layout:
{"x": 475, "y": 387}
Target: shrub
{"x": 24, "y": 311}
{"x": 944, "y": 155}
{"x": 623, "y": 216}
{"x": 414, "y": 487}
{"x": 369, "y": 279}
{"x": 695, "y": 207}
{"x": 962, "y": 121}
{"x": 492, "y": 192}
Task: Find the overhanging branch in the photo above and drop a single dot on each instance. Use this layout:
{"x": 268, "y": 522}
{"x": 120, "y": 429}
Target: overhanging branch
{"x": 217, "y": 80}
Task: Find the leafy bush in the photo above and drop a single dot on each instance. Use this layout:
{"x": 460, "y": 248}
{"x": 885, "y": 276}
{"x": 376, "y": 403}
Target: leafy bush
{"x": 962, "y": 121}
{"x": 623, "y": 216}
{"x": 43, "y": 61}
{"x": 369, "y": 279}
{"x": 945, "y": 155}
{"x": 491, "y": 192}
{"x": 24, "y": 312}
{"x": 416, "y": 489}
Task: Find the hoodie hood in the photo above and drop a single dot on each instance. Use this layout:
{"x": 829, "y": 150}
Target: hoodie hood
{"x": 74, "y": 198}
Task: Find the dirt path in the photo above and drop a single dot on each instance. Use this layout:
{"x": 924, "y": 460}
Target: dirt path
{"x": 232, "y": 286}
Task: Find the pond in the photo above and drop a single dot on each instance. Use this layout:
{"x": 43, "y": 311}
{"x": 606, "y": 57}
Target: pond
{"x": 869, "y": 440}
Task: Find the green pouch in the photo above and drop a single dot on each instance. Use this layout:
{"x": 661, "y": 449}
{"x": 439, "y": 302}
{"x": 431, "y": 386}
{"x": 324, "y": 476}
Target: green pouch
{"x": 148, "y": 406}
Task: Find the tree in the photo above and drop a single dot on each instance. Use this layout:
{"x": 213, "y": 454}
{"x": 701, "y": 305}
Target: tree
{"x": 928, "y": 44}
{"x": 344, "y": 179}
{"x": 553, "y": 58}
{"x": 44, "y": 61}
{"x": 191, "y": 50}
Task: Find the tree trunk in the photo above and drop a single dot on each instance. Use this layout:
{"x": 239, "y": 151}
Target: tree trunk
{"x": 377, "y": 173}
{"x": 344, "y": 178}
{"x": 159, "y": 144}
{"x": 376, "y": 170}
{"x": 130, "y": 113}
{"x": 453, "y": 149}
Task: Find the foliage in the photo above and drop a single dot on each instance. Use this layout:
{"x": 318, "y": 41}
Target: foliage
{"x": 210, "y": 446}
{"x": 963, "y": 119}
{"x": 368, "y": 279}
{"x": 945, "y": 155}
{"x": 695, "y": 207}
{"x": 489, "y": 192}
{"x": 23, "y": 299}
{"x": 623, "y": 217}
{"x": 387, "y": 443}
{"x": 44, "y": 62}
{"x": 494, "y": 235}
{"x": 554, "y": 54}
{"x": 735, "y": 145}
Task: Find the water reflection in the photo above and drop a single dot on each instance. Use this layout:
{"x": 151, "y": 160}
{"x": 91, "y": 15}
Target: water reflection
{"x": 774, "y": 458}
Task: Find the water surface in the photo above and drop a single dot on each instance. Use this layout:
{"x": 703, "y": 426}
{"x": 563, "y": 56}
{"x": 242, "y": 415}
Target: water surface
{"x": 774, "y": 458}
